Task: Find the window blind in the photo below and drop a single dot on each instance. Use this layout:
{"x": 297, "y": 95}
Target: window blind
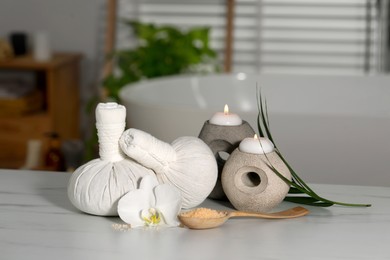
{"x": 279, "y": 36}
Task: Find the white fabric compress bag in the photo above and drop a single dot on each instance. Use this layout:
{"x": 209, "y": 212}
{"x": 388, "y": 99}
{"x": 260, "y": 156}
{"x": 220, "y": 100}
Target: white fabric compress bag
{"x": 188, "y": 163}
{"x": 96, "y": 187}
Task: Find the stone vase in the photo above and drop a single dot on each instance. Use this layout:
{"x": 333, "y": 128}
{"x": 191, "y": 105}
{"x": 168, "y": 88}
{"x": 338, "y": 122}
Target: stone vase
{"x": 223, "y": 139}
{"x": 250, "y": 184}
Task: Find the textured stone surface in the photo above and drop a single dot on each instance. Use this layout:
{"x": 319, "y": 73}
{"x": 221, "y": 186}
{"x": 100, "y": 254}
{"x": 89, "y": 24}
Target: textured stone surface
{"x": 249, "y": 183}
{"x": 223, "y": 139}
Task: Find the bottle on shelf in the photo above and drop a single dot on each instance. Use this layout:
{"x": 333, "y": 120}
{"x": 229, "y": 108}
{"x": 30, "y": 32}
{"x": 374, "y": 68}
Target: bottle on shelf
{"x": 54, "y": 158}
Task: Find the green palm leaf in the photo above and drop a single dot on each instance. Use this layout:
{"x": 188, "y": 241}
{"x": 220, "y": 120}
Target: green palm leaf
{"x": 297, "y": 184}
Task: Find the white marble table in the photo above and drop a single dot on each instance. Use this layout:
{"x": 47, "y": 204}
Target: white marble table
{"x": 38, "y": 222}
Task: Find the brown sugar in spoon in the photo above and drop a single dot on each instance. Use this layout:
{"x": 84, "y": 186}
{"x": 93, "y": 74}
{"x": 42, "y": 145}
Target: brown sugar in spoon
{"x": 204, "y": 218}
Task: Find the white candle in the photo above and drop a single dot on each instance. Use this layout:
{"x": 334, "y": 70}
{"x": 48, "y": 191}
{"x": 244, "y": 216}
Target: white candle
{"x": 256, "y": 146}
{"x": 225, "y": 118}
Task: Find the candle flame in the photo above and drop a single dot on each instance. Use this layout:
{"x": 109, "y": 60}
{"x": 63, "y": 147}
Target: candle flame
{"x": 226, "y": 109}
{"x": 255, "y": 136}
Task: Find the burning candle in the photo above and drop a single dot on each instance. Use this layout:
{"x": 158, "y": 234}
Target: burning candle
{"x": 256, "y": 145}
{"x": 225, "y": 118}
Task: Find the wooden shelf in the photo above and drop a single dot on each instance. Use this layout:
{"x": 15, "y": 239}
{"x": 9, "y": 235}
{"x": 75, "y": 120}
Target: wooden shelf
{"x": 59, "y": 82}
{"x": 28, "y": 63}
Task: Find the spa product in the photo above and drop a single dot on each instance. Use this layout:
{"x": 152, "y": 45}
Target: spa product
{"x": 222, "y": 140}
{"x": 96, "y": 187}
{"x": 256, "y": 145}
{"x": 203, "y": 213}
{"x": 249, "y": 182}
{"x": 226, "y": 118}
{"x": 187, "y": 163}
{"x": 204, "y": 218}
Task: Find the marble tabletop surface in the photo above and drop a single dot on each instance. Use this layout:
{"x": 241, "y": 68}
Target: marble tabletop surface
{"x": 37, "y": 221}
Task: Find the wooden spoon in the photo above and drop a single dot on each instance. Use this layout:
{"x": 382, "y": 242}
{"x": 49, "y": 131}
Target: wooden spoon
{"x": 222, "y": 216}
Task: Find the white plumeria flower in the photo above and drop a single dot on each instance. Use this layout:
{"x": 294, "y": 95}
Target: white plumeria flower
{"x": 151, "y": 204}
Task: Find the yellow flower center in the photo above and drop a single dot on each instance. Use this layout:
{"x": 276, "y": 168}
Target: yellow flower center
{"x": 151, "y": 217}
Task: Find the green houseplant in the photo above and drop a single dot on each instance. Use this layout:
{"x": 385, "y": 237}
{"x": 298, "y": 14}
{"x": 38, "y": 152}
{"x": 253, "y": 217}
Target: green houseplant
{"x": 161, "y": 51}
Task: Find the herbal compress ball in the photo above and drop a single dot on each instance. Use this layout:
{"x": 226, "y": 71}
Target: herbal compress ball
{"x": 187, "y": 163}
{"x": 96, "y": 187}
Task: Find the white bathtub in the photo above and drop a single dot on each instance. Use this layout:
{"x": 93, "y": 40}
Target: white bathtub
{"x": 331, "y": 129}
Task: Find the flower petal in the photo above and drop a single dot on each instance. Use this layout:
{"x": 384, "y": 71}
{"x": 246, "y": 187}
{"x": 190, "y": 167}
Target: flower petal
{"x": 168, "y": 202}
{"x": 131, "y": 205}
{"x": 148, "y": 182}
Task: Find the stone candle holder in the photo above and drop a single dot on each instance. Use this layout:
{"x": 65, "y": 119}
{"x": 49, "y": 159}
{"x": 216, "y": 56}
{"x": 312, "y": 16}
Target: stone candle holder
{"x": 250, "y": 184}
{"x": 223, "y": 139}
